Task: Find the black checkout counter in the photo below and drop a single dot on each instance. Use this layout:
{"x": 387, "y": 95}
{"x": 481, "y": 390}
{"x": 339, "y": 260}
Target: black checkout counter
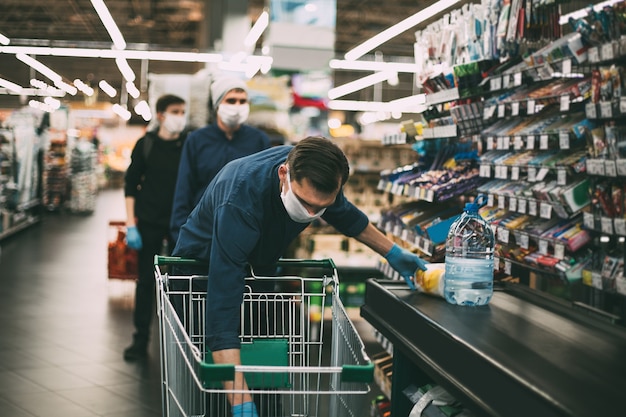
{"x": 521, "y": 355}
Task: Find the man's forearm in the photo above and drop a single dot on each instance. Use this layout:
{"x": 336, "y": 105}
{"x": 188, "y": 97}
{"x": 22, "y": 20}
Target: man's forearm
{"x": 375, "y": 239}
{"x": 233, "y": 356}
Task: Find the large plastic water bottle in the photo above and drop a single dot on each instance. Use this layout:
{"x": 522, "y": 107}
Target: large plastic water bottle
{"x": 469, "y": 258}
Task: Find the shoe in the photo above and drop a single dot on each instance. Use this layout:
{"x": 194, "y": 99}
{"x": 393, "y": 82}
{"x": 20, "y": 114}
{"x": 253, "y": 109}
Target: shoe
{"x": 136, "y": 351}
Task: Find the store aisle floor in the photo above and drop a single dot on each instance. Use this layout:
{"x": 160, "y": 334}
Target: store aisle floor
{"x": 64, "y": 324}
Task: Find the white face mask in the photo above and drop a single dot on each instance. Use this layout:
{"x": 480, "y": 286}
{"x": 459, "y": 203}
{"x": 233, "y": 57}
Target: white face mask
{"x": 296, "y": 211}
{"x": 232, "y": 115}
{"x": 174, "y": 123}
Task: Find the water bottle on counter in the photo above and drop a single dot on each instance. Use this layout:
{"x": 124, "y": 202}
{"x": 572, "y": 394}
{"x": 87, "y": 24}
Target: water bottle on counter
{"x": 469, "y": 258}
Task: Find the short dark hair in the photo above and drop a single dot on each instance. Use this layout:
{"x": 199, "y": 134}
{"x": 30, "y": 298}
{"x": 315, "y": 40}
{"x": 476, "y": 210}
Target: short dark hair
{"x": 167, "y": 100}
{"x": 319, "y": 160}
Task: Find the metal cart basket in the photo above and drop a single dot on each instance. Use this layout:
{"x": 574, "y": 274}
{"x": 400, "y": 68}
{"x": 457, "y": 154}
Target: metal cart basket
{"x": 292, "y": 365}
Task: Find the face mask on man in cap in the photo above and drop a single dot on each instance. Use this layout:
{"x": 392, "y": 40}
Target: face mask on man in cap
{"x": 230, "y": 97}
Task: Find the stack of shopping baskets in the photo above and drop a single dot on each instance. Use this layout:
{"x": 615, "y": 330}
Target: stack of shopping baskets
{"x": 293, "y": 365}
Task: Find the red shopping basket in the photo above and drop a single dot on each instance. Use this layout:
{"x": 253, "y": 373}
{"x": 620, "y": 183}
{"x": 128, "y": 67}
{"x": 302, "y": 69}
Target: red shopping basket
{"x": 122, "y": 260}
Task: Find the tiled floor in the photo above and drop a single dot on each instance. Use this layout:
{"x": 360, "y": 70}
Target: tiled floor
{"x": 64, "y": 324}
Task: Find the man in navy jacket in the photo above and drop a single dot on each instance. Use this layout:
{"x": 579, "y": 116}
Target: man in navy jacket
{"x": 209, "y": 148}
{"x": 250, "y": 213}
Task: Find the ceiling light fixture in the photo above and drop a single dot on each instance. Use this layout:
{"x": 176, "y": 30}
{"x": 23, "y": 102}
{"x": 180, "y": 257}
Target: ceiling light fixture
{"x": 360, "y": 84}
{"x": 112, "y": 53}
{"x": 121, "y": 111}
{"x": 10, "y": 86}
{"x": 257, "y": 30}
{"x": 125, "y": 69}
{"x": 84, "y": 88}
{"x": 109, "y": 24}
{"x": 143, "y": 110}
{"x": 52, "y": 102}
{"x": 372, "y": 66}
{"x": 40, "y": 105}
{"x": 410, "y": 104}
{"x": 33, "y": 92}
{"x": 107, "y": 88}
{"x": 355, "y": 105}
{"x": 393, "y": 31}
{"x": 132, "y": 90}
{"x": 68, "y": 88}
{"x": 39, "y": 67}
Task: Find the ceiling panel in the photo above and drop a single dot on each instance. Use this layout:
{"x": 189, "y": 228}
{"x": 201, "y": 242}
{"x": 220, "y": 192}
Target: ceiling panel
{"x": 176, "y": 25}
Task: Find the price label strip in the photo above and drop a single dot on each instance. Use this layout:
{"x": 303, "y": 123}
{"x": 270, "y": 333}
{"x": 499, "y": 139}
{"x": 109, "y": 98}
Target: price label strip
{"x": 501, "y": 202}
{"x": 559, "y": 251}
{"x": 524, "y": 241}
{"x": 606, "y": 225}
{"x": 589, "y": 221}
{"x": 503, "y": 234}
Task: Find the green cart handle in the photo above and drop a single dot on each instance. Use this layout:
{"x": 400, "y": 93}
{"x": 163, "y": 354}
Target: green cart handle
{"x": 176, "y": 260}
{"x": 305, "y": 263}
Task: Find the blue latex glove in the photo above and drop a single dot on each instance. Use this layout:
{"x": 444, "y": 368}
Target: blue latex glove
{"x": 133, "y": 238}
{"x": 245, "y": 410}
{"x": 405, "y": 262}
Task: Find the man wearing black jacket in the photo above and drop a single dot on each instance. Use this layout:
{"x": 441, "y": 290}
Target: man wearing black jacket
{"x": 149, "y": 191}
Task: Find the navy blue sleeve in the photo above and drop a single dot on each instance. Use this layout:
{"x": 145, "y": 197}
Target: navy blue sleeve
{"x": 235, "y": 235}
{"x": 345, "y": 217}
{"x": 183, "y": 202}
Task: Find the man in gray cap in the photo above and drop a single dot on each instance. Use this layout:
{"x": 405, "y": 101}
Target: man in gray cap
{"x": 208, "y": 149}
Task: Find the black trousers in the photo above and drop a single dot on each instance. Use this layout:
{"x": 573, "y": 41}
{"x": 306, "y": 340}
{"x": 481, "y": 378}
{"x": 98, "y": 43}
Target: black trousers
{"x": 152, "y": 236}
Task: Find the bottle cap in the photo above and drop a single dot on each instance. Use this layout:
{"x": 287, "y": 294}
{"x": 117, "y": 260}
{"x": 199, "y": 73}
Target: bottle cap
{"x": 479, "y": 201}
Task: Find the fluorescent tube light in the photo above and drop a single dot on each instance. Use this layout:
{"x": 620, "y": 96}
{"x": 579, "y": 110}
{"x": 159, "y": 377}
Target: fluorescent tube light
{"x": 360, "y": 84}
{"x": 257, "y": 29}
{"x": 143, "y": 110}
{"x": 583, "y": 12}
{"x": 109, "y": 24}
{"x": 84, "y": 88}
{"x": 132, "y": 90}
{"x": 355, "y": 105}
{"x": 411, "y": 104}
{"x": 4, "y": 40}
{"x": 398, "y": 28}
{"x": 10, "y": 86}
{"x": 52, "y": 102}
{"x": 39, "y": 67}
{"x": 66, "y": 87}
{"x": 121, "y": 111}
{"x": 112, "y": 53}
{"x": 372, "y": 66}
{"x": 125, "y": 69}
{"x": 107, "y": 88}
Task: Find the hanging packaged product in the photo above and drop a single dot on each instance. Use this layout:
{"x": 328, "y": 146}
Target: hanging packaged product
{"x": 469, "y": 258}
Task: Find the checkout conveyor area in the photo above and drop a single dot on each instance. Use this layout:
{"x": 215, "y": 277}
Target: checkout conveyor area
{"x": 523, "y": 354}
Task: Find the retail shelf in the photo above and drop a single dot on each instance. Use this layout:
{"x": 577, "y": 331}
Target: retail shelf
{"x": 28, "y": 221}
{"x": 522, "y": 355}
{"x": 606, "y": 167}
{"x": 443, "y": 96}
{"x": 605, "y": 225}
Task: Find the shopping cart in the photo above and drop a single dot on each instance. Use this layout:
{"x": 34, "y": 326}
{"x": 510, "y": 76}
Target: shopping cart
{"x": 292, "y": 368}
